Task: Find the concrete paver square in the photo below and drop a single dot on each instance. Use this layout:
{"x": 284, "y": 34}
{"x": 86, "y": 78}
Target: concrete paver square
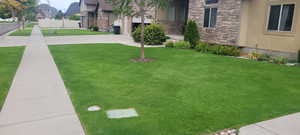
{"x": 287, "y": 125}
{"x": 121, "y": 113}
{"x": 254, "y": 130}
{"x": 65, "y": 125}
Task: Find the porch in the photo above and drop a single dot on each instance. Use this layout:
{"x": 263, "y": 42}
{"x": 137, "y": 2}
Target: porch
{"x": 174, "y": 17}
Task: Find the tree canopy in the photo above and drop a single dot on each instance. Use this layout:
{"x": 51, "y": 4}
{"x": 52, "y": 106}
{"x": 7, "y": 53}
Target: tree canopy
{"x": 18, "y": 8}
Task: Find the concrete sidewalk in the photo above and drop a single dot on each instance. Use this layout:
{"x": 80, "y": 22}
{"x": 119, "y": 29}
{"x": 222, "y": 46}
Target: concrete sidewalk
{"x": 38, "y": 102}
{"x": 286, "y": 125}
{"x": 91, "y": 39}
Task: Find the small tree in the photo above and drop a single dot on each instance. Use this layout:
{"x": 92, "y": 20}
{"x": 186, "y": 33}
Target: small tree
{"x": 59, "y": 15}
{"x": 138, "y": 8}
{"x": 191, "y": 33}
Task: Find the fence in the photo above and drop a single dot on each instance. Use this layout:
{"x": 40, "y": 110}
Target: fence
{"x": 52, "y": 23}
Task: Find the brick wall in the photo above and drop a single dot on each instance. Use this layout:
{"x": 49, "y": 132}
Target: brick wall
{"x": 228, "y": 21}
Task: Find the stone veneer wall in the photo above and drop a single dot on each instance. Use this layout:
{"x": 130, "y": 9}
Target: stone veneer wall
{"x": 228, "y": 21}
{"x": 103, "y": 21}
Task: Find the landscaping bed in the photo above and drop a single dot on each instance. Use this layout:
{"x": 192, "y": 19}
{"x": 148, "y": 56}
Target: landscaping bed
{"x": 181, "y": 92}
{"x": 10, "y": 58}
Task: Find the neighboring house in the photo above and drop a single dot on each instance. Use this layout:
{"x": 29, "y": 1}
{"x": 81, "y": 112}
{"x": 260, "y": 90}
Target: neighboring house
{"x": 74, "y": 9}
{"x": 267, "y": 26}
{"x": 46, "y": 11}
{"x": 100, "y": 13}
{"x": 96, "y": 13}
{"x": 40, "y": 15}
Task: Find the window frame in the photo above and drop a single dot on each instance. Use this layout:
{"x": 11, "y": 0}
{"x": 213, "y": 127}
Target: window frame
{"x": 209, "y": 18}
{"x": 205, "y": 2}
{"x": 280, "y": 17}
{"x": 281, "y": 4}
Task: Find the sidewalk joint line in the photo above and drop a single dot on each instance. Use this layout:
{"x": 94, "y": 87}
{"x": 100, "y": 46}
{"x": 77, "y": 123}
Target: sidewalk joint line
{"x": 36, "y": 120}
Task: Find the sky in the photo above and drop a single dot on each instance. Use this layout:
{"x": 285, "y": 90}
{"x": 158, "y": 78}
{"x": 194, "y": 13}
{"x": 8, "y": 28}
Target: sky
{"x": 60, "y": 4}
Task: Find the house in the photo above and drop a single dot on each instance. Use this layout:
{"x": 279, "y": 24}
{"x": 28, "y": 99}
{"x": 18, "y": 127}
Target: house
{"x": 266, "y": 26}
{"x": 46, "y": 11}
{"x": 40, "y": 15}
{"x": 73, "y": 9}
{"x": 100, "y": 13}
{"x": 96, "y": 13}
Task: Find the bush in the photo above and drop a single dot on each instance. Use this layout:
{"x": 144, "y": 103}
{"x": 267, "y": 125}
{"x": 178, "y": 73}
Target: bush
{"x": 254, "y": 56}
{"x": 224, "y": 50}
{"x": 182, "y": 45}
{"x": 136, "y": 35}
{"x": 259, "y": 57}
{"x": 94, "y": 28}
{"x": 169, "y": 44}
{"x": 191, "y": 33}
{"x": 280, "y": 60}
{"x": 74, "y": 17}
{"x": 202, "y": 47}
{"x": 154, "y": 34}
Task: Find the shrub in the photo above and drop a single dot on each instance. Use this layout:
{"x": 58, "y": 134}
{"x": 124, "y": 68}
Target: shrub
{"x": 280, "y": 60}
{"x": 202, "y": 47}
{"x": 224, "y": 50}
{"x": 136, "y": 35}
{"x": 259, "y": 57}
{"x": 154, "y": 34}
{"x": 182, "y": 45}
{"x": 191, "y": 33}
{"x": 94, "y": 28}
{"x": 74, "y": 17}
{"x": 169, "y": 44}
{"x": 264, "y": 57}
{"x": 254, "y": 55}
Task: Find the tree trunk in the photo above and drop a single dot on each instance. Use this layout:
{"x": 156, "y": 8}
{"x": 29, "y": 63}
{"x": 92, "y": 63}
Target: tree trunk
{"x": 123, "y": 24}
{"x": 13, "y": 13}
{"x": 23, "y": 22}
{"x": 143, "y": 35}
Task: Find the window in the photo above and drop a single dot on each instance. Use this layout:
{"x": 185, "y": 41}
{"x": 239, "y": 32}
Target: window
{"x": 171, "y": 13}
{"x": 281, "y": 17}
{"x": 211, "y": 1}
{"x": 210, "y": 17}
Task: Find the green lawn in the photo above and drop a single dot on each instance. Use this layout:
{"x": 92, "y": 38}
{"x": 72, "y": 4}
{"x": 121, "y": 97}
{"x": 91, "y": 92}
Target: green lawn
{"x": 9, "y": 60}
{"x": 22, "y": 32}
{"x": 69, "y": 32}
{"x": 182, "y": 92}
{"x": 31, "y": 25}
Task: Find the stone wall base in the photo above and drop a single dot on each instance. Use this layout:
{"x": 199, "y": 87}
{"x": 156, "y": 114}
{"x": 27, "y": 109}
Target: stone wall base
{"x": 289, "y": 55}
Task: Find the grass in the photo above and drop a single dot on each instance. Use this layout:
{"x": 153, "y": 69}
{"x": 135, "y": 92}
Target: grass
{"x": 9, "y": 60}
{"x": 31, "y": 25}
{"x": 69, "y": 32}
{"x": 6, "y": 22}
{"x": 22, "y": 32}
{"x": 182, "y": 92}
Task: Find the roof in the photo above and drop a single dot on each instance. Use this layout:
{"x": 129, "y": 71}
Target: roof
{"x": 105, "y": 6}
{"x": 73, "y": 9}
